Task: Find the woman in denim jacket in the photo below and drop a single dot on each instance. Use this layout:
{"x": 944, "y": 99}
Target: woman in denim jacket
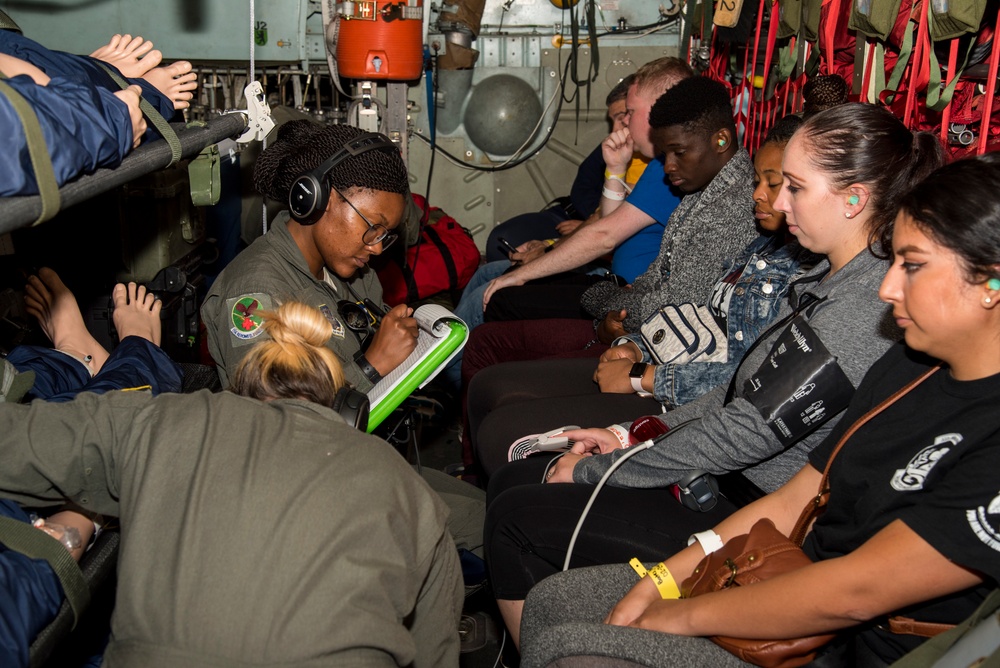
{"x": 744, "y": 302}
{"x": 762, "y": 276}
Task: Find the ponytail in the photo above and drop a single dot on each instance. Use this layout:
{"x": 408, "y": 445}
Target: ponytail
{"x": 927, "y": 155}
{"x": 861, "y": 143}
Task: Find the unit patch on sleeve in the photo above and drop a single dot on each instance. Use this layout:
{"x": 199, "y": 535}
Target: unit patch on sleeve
{"x": 338, "y": 327}
{"x": 247, "y": 324}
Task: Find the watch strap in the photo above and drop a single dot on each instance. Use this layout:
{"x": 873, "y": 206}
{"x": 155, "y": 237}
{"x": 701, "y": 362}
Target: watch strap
{"x": 370, "y": 372}
{"x": 636, "y": 380}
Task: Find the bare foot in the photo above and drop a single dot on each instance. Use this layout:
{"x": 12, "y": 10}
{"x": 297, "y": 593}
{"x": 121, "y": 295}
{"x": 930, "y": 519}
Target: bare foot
{"x": 137, "y": 312}
{"x": 134, "y": 57}
{"x": 55, "y": 307}
{"x": 130, "y": 96}
{"x": 176, "y": 81}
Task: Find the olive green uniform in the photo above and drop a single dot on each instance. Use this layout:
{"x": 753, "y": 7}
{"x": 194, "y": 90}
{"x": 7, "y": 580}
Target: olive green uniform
{"x": 253, "y": 533}
{"x": 269, "y": 272}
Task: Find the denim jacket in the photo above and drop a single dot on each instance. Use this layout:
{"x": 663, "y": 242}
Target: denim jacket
{"x": 768, "y": 270}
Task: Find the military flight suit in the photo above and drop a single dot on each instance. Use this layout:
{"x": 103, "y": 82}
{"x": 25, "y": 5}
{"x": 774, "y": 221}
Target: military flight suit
{"x": 272, "y": 271}
{"x": 253, "y": 533}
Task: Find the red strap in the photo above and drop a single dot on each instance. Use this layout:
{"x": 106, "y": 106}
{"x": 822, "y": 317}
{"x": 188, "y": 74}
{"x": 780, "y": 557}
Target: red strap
{"x": 991, "y": 86}
{"x": 831, "y": 31}
{"x": 946, "y": 114}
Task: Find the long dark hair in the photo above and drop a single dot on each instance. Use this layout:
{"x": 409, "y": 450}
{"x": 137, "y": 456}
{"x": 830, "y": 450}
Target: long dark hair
{"x": 958, "y": 206}
{"x": 862, "y": 143}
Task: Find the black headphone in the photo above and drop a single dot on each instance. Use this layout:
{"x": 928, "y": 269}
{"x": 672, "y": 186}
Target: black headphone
{"x": 310, "y": 191}
{"x": 353, "y": 407}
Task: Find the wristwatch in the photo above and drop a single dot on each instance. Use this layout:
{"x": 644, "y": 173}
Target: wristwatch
{"x": 370, "y": 372}
{"x": 635, "y": 375}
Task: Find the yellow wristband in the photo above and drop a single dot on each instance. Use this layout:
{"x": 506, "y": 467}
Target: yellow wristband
{"x": 664, "y": 581}
{"x": 550, "y": 242}
{"x": 609, "y": 175}
{"x": 637, "y": 567}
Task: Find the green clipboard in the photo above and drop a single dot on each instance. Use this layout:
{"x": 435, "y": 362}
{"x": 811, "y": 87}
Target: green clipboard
{"x": 442, "y": 335}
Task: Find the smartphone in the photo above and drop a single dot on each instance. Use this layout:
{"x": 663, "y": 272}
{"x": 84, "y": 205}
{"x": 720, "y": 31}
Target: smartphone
{"x": 506, "y": 244}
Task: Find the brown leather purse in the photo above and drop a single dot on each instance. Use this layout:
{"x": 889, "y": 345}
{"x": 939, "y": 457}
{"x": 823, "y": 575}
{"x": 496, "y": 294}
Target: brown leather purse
{"x": 765, "y": 553}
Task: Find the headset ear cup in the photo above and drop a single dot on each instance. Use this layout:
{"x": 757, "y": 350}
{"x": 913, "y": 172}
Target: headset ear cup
{"x": 307, "y": 198}
{"x": 353, "y": 406}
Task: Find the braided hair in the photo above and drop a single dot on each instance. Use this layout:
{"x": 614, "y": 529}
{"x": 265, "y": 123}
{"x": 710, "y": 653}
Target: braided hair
{"x": 304, "y": 145}
{"x": 823, "y": 92}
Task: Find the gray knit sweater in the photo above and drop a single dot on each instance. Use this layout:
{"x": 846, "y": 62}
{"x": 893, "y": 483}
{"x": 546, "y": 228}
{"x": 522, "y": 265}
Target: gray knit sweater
{"x": 854, "y": 325}
{"x": 705, "y": 232}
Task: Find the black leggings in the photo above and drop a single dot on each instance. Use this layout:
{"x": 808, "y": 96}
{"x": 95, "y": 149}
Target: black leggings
{"x": 511, "y": 400}
{"x": 529, "y": 526}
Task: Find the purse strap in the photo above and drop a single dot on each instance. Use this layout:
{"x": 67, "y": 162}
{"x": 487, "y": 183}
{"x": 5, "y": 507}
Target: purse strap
{"x": 816, "y": 505}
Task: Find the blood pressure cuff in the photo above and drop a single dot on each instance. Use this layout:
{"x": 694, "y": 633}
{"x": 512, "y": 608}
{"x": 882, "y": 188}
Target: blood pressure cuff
{"x": 800, "y": 385}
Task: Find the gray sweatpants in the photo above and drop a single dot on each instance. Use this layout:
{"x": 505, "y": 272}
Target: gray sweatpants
{"x": 563, "y": 618}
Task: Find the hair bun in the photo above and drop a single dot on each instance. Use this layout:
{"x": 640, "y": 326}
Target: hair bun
{"x": 295, "y": 323}
{"x": 823, "y": 92}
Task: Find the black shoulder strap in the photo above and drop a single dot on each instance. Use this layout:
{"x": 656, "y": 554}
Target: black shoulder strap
{"x": 449, "y": 261}
{"x": 808, "y": 301}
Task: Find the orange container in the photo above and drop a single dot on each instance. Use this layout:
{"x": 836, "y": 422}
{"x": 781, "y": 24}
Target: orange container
{"x": 381, "y": 49}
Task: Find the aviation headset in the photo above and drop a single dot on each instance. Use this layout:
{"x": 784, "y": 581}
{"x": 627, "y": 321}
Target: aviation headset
{"x": 353, "y": 406}
{"x": 310, "y": 191}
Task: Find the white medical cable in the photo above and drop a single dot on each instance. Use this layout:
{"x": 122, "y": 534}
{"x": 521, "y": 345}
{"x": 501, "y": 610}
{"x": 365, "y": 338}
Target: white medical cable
{"x": 503, "y": 641}
{"x": 633, "y": 449}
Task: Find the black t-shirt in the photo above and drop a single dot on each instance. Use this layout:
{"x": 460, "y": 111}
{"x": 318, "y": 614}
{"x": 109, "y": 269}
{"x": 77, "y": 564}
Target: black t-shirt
{"x": 932, "y": 460}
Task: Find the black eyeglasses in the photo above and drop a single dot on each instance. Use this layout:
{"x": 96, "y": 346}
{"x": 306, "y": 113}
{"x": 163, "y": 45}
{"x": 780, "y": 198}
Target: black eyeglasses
{"x": 375, "y": 233}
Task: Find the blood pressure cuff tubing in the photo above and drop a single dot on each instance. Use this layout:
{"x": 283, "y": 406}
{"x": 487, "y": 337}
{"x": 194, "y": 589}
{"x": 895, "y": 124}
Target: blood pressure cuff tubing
{"x": 799, "y": 386}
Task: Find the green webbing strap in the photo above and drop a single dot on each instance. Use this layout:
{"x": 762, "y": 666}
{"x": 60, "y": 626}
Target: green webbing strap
{"x": 35, "y": 544}
{"x": 153, "y": 116}
{"x": 811, "y": 67}
{"x": 878, "y": 71}
{"x": 787, "y": 59}
{"x": 938, "y": 96}
{"x": 41, "y": 162}
{"x": 7, "y": 23}
{"x": 905, "y": 49}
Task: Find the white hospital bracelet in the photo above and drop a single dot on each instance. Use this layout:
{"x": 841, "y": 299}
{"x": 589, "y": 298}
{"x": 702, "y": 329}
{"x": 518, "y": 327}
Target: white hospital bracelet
{"x": 612, "y": 194}
{"x": 619, "y": 179}
{"x": 709, "y": 541}
{"x": 621, "y": 433}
